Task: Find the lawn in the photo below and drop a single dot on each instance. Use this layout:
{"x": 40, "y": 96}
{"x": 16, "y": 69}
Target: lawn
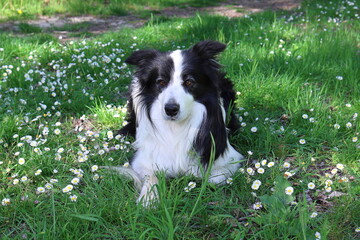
{"x": 297, "y": 77}
{"x": 19, "y": 9}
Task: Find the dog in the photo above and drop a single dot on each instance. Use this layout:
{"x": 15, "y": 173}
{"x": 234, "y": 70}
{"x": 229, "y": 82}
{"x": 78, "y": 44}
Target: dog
{"x": 180, "y": 114}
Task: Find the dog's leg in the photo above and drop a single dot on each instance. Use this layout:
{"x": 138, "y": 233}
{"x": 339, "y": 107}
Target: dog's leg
{"x": 219, "y": 176}
{"x": 225, "y": 166}
{"x": 146, "y": 185}
{"x": 148, "y": 193}
{"x": 127, "y": 172}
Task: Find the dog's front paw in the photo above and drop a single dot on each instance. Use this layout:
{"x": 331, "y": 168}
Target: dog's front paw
{"x": 148, "y": 194}
{"x": 148, "y": 199}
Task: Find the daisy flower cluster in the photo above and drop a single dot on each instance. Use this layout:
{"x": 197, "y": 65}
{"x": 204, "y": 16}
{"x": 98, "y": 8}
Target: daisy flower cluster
{"x": 47, "y": 148}
{"x": 325, "y": 182}
{"x": 255, "y": 174}
{"x": 332, "y": 12}
{"x": 294, "y": 129}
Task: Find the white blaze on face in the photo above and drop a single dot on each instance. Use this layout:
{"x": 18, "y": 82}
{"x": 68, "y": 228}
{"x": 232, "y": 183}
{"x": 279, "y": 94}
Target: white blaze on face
{"x": 175, "y": 92}
{"x": 178, "y": 67}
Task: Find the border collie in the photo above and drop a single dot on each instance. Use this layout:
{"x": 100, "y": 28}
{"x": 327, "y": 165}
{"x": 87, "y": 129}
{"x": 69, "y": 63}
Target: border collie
{"x": 180, "y": 113}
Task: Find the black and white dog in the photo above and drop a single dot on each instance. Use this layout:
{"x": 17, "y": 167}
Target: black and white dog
{"x": 180, "y": 113}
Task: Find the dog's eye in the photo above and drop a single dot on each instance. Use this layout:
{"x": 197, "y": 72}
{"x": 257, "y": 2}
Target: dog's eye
{"x": 161, "y": 82}
{"x": 189, "y": 82}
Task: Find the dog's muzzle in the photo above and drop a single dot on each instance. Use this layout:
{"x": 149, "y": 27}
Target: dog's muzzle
{"x": 172, "y": 110}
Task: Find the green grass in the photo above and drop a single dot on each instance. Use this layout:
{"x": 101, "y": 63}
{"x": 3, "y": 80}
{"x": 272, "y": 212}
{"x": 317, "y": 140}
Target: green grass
{"x": 75, "y": 27}
{"x": 18, "y": 9}
{"x": 297, "y": 76}
{"x": 27, "y": 28}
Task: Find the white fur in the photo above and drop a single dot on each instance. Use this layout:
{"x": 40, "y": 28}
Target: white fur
{"x": 166, "y": 145}
{"x": 174, "y": 92}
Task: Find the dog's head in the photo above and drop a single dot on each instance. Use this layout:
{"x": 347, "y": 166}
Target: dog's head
{"x": 179, "y": 78}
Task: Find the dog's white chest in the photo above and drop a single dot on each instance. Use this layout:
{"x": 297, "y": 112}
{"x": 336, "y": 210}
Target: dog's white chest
{"x": 165, "y": 145}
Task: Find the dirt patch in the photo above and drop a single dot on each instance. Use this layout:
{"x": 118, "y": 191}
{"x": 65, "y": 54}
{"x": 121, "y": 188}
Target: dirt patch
{"x": 68, "y": 28}
{"x": 234, "y": 8}
{"x": 97, "y": 23}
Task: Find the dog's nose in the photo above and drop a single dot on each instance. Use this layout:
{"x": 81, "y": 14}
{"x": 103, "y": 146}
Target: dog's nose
{"x": 172, "y": 109}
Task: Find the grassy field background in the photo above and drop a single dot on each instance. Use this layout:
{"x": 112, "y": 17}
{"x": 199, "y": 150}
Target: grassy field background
{"x": 297, "y": 75}
{"x": 20, "y": 9}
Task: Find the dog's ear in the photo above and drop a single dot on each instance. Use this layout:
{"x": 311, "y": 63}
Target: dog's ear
{"x": 208, "y": 48}
{"x": 141, "y": 57}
